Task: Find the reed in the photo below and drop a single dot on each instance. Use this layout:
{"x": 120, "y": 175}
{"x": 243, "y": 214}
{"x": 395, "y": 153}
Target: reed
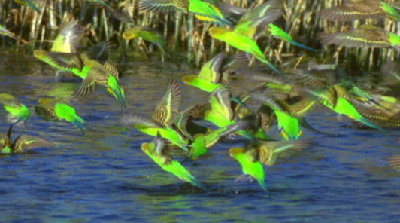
{"x": 186, "y": 35}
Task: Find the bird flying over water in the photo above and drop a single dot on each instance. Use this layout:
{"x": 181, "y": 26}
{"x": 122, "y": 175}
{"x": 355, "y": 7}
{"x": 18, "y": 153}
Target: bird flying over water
{"x": 288, "y": 115}
{"x": 68, "y": 38}
{"x": 20, "y": 144}
{"x": 147, "y": 34}
{"x": 57, "y": 110}
{"x": 254, "y": 156}
{"x": 5, "y": 32}
{"x": 91, "y": 71}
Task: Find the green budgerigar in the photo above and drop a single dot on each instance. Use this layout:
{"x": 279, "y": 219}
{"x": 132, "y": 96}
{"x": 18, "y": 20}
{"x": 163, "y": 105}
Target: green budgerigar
{"x": 203, "y": 10}
{"x": 155, "y": 151}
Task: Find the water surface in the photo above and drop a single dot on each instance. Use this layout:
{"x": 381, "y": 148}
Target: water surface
{"x": 104, "y": 177}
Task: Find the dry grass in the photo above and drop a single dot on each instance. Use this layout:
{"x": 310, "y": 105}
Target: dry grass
{"x": 184, "y": 33}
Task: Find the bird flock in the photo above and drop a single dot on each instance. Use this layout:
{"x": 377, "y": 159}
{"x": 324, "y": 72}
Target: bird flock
{"x": 282, "y": 96}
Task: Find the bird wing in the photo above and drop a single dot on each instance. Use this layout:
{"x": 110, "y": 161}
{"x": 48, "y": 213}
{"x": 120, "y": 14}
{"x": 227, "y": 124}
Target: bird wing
{"x": 24, "y": 143}
{"x": 211, "y": 71}
{"x": 362, "y": 37}
{"x": 111, "y": 69}
{"x": 279, "y": 150}
{"x": 164, "y": 5}
{"x": 259, "y": 16}
{"x": 63, "y": 60}
{"x": 8, "y": 99}
{"x": 87, "y": 86}
{"x": 167, "y": 109}
{"x": 171, "y": 166}
{"x": 220, "y": 101}
{"x": 267, "y": 12}
{"x": 67, "y": 40}
{"x": 100, "y": 51}
{"x": 299, "y": 108}
{"x": 353, "y": 10}
{"x": 308, "y": 80}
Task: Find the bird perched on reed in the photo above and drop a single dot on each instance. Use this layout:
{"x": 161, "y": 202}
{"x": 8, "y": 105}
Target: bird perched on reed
{"x": 360, "y": 9}
{"x": 147, "y": 34}
{"x": 21, "y": 144}
{"x": 155, "y": 150}
{"x": 254, "y": 156}
{"x": 17, "y": 112}
{"x": 203, "y": 10}
{"x": 365, "y": 36}
{"x": 53, "y": 109}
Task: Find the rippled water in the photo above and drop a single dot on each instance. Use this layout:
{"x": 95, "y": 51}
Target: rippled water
{"x": 104, "y": 177}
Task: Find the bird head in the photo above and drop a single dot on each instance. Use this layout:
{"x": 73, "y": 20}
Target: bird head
{"x": 188, "y": 78}
{"x": 233, "y": 152}
{"x": 131, "y": 33}
{"x": 148, "y": 147}
{"x": 216, "y": 31}
{"x": 39, "y": 53}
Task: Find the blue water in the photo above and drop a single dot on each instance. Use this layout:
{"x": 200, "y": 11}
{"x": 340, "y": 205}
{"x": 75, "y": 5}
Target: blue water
{"x": 104, "y": 176}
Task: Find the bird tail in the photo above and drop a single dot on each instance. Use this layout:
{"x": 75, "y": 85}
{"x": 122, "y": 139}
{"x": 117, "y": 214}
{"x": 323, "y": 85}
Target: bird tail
{"x": 276, "y": 70}
{"x": 116, "y": 91}
{"x": 306, "y": 125}
{"x": 279, "y": 33}
{"x": 303, "y": 46}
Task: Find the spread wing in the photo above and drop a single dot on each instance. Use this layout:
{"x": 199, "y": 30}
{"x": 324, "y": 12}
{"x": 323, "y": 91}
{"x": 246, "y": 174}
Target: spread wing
{"x": 25, "y": 143}
{"x": 166, "y": 111}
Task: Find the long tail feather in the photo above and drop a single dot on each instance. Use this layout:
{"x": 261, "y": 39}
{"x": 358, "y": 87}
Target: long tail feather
{"x": 304, "y": 46}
